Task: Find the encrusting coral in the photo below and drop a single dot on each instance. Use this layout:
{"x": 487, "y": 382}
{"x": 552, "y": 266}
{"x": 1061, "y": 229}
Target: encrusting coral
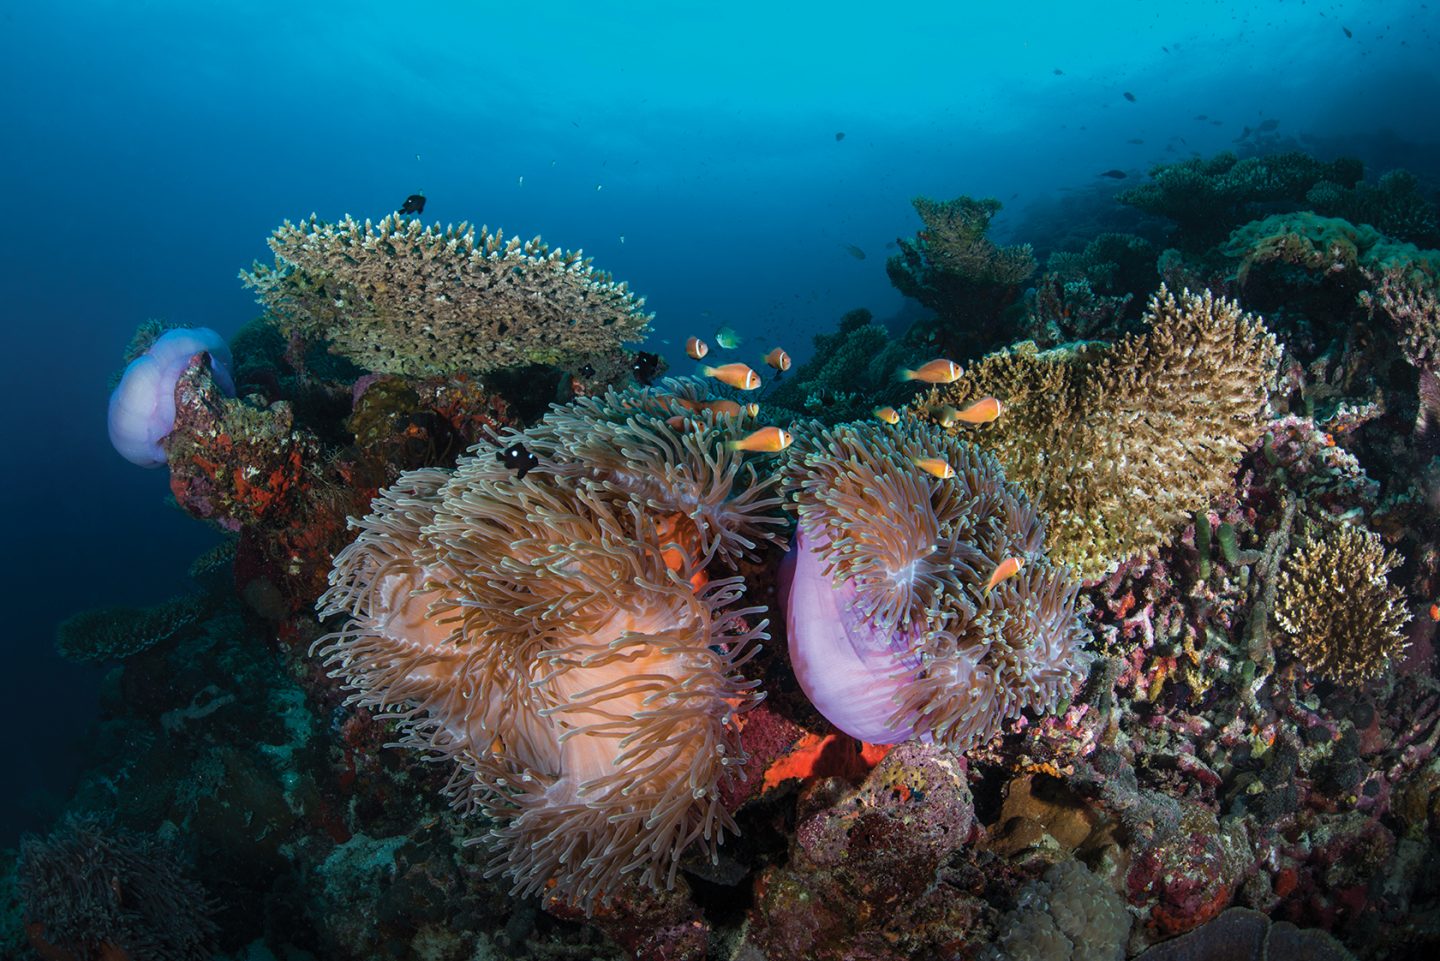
{"x": 560, "y": 637}
{"x": 895, "y": 630}
{"x": 1341, "y": 616}
{"x": 1117, "y": 444}
{"x": 400, "y": 298}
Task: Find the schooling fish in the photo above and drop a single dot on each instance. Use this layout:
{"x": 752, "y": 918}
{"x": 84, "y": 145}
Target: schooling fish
{"x": 839, "y": 135}
{"x": 935, "y": 467}
{"x": 983, "y": 411}
{"x": 888, "y": 414}
{"x": 1135, "y": 140}
{"x": 1347, "y": 31}
{"x": 778, "y": 359}
{"x": 727, "y": 338}
{"x": 414, "y": 204}
{"x": 517, "y": 458}
{"x": 696, "y": 348}
{"x": 646, "y": 366}
{"x": 766, "y": 440}
{"x": 1009, "y": 567}
{"x": 1113, "y": 174}
{"x": 1058, "y": 72}
{"x": 739, "y": 376}
{"x": 938, "y": 371}
{"x": 1129, "y": 96}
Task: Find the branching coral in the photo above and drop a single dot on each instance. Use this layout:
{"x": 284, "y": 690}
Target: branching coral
{"x": 1117, "y": 444}
{"x": 115, "y": 633}
{"x": 1342, "y": 617}
{"x": 396, "y": 297}
{"x": 93, "y": 893}
{"x": 559, "y": 637}
{"x": 893, "y": 632}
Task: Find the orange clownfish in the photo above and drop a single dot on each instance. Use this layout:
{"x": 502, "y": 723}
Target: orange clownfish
{"x": 888, "y": 414}
{"x": 739, "y": 376}
{"x": 936, "y": 467}
{"x": 766, "y": 440}
{"x": 778, "y": 359}
{"x": 939, "y": 371}
{"x": 696, "y": 348}
{"x": 983, "y": 411}
{"x": 1009, "y": 567}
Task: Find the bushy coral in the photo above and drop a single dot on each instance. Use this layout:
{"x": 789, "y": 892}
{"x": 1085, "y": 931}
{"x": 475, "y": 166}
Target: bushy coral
{"x": 894, "y": 632}
{"x": 1339, "y": 613}
{"x": 1394, "y": 204}
{"x": 561, "y": 637}
{"x": 1321, "y": 245}
{"x": 1117, "y": 444}
{"x": 94, "y": 893}
{"x": 398, "y": 297}
{"x": 852, "y": 371}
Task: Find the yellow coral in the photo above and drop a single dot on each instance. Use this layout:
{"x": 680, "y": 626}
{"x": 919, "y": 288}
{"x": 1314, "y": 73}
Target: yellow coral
{"x": 400, "y": 298}
{"x": 1118, "y": 443}
{"x": 1343, "y": 618}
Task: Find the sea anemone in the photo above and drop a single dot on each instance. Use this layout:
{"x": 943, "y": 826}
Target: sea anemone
{"x": 560, "y": 638}
{"x": 893, "y": 632}
{"x": 142, "y": 407}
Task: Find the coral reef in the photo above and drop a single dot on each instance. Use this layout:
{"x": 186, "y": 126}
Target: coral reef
{"x": 1206, "y": 198}
{"x": 952, "y": 268}
{"x": 93, "y": 892}
{"x": 852, "y": 371}
{"x": 1116, "y": 444}
{"x": 894, "y": 627}
{"x": 400, "y": 298}
{"x": 560, "y": 637}
{"x": 1338, "y": 612}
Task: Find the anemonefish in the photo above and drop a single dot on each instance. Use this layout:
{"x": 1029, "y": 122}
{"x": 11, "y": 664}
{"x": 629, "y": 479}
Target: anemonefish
{"x": 939, "y": 371}
{"x": 983, "y": 411}
{"x": 766, "y": 440}
{"x": 1009, "y": 567}
{"x": 696, "y": 348}
{"x": 888, "y": 414}
{"x": 739, "y": 376}
{"x": 778, "y": 359}
{"x": 936, "y": 467}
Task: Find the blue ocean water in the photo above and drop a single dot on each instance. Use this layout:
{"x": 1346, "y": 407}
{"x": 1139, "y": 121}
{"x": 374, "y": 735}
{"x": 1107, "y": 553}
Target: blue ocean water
{"x": 695, "y": 150}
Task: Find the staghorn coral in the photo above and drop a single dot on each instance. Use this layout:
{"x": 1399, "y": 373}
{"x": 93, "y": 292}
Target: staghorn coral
{"x": 1342, "y": 617}
{"x": 94, "y": 893}
{"x": 400, "y": 298}
{"x": 1117, "y": 444}
{"x": 892, "y": 632}
{"x": 560, "y": 639}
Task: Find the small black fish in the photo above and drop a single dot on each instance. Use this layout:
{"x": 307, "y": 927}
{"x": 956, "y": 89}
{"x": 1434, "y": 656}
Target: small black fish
{"x": 839, "y": 135}
{"x": 414, "y": 204}
{"x": 517, "y": 458}
{"x": 1114, "y": 174}
{"x": 587, "y": 371}
{"x": 1270, "y": 124}
{"x": 1201, "y": 116}
{"x": 1347, "y": 31}
{"x": 1166, "y": 49}
{"x": 1135, "y": 140}
{"x": 1129, "y": 96}
{"x": 1058, "y": 72}
{"x": 646, "y": 366}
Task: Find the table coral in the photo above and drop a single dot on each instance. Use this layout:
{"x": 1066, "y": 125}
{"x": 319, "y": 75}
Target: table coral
{"x": 1117, "y": 444}
{"x": 401, "y": 298}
